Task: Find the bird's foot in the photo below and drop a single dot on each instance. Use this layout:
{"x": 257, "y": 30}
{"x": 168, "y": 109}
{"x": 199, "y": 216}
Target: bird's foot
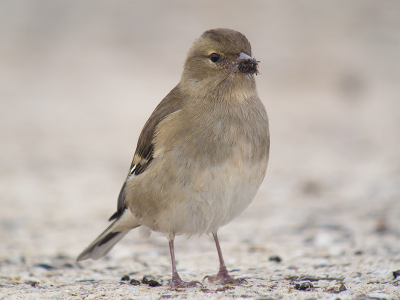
{"x": 177, "y": 282}
{"x": 224, "y": 278}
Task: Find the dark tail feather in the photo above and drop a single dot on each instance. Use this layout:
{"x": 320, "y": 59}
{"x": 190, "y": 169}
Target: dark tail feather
{"x": 105, "y": 241}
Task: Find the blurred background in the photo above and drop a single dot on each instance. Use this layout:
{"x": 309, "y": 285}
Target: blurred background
{"x": 78, "y": 80}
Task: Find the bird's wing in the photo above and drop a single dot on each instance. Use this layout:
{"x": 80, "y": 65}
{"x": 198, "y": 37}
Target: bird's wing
{"x": 145, "y": 148}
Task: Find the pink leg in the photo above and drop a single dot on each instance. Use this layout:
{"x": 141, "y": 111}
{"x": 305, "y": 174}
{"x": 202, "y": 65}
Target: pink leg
{"x": 176, "y": 281}
{"x": 222, "y": 275}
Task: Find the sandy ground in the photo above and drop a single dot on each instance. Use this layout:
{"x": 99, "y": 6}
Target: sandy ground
{"x": 78, "y": 79}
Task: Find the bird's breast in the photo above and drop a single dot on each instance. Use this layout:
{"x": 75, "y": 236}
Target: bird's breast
{"x": 205, "y": 175}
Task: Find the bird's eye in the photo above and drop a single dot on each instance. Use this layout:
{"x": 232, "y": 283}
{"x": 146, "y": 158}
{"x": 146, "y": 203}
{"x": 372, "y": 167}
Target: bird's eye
{"x": 214, "y": 57}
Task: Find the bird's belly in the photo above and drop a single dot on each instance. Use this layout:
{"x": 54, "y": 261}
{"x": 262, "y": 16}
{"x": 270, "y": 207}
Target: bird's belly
{"x": 211, "y": 199}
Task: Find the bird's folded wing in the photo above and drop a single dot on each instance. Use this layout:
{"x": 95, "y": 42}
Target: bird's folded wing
{"x": 145, "y": 147}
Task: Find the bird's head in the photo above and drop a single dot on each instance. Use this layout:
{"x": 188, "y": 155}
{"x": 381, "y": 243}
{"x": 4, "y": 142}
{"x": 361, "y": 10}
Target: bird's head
{"x": 219, "y": 58}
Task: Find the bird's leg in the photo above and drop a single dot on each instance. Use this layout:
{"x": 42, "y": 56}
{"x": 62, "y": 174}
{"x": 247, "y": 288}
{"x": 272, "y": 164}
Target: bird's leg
{"x": 222, "y": 275}
{"x": 176, "y": 281}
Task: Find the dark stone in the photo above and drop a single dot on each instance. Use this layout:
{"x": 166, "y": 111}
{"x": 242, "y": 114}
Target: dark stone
{"x": 275, "y": 258}
{"x": 147, "y": 278}
{"x": 396, "y": 274}
{"x": 304, "y": 286}
{"x": 125, "y": 278}
{"x": 154, "y": 283}
{"x": 134, "y": 282}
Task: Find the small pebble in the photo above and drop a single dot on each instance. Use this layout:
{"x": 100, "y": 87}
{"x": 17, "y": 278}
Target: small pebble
{"x": 304, "y": 286}
{"x": 147, "y": 278}
{"x": 154, "y": 283}
{"x": 336, "y": 289}
{"x": 275, "y": 258}
{"x": 46, "y": 266}
{"x": 125, "y": 278}
{"x": 134, "y": 282}
{"x": 32, "y": 283}
{"x": 396, "y": 274}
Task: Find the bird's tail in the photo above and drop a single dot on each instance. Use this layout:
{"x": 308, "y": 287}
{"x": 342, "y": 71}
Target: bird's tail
{"x": 109, "y": 237}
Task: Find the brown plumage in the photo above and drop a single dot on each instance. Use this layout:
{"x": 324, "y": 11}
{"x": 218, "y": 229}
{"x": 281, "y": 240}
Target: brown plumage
{"x": 202, "y": 154}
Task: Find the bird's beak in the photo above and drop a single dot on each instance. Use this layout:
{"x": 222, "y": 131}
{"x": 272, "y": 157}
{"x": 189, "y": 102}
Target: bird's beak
{"x": 245, "y": 64}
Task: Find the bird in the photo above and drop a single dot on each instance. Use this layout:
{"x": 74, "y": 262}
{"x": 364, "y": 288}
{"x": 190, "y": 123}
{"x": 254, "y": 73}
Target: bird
{"x": 201, "y": 156}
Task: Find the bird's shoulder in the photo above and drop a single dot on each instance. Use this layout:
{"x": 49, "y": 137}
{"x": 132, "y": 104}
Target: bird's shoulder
{"x": 145, "y": 146}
